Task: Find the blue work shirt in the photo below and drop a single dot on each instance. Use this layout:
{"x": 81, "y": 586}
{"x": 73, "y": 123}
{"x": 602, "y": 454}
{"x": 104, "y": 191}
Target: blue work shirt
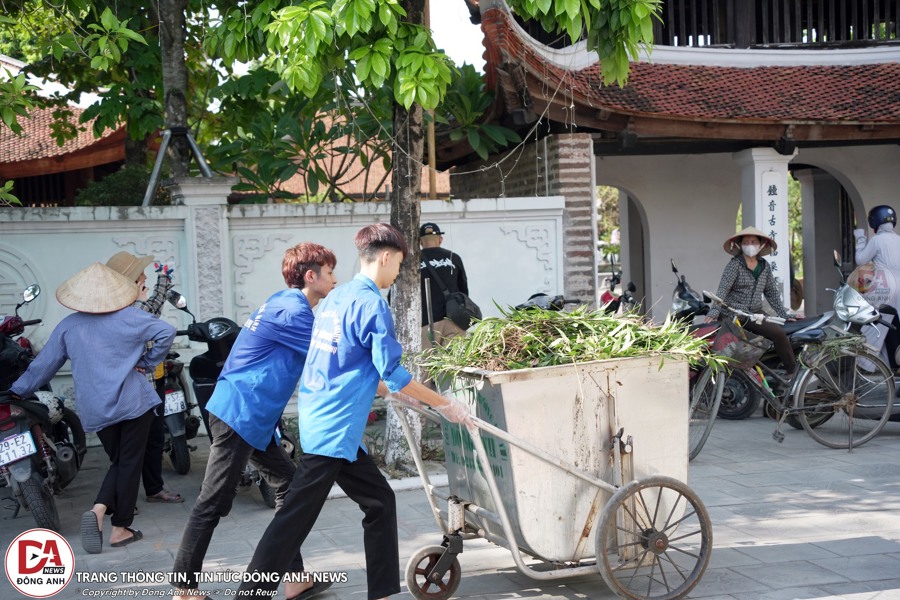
{"x": 104, "y": 350}
{"x": 263, "y": 367}
{"x": 353, "y": 347}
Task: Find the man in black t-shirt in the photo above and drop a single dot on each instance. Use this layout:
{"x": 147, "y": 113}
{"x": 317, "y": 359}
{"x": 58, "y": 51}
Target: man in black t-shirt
{"x": 450, "y": 269}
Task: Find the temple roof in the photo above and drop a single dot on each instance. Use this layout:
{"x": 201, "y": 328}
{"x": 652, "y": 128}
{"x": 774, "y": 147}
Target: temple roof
{"x": 825, "y": 97}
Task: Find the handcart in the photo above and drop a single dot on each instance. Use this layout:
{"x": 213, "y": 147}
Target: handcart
{"x": 553, "y": 452}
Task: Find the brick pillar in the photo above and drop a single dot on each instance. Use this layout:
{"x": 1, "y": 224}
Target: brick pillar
{"x": 571, "y": 166}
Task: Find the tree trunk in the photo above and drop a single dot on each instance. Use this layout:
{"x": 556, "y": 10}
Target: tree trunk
{"x": 175, "y": 81}
{"x": 406, "y": 293}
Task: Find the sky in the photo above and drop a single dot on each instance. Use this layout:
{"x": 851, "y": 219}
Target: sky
{"x": 455, "y": 34}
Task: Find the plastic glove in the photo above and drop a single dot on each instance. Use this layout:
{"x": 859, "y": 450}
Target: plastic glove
{"x": 164, "y": 269}
{"x": 455, "y": 411}
{"x": 859, "y": 233}
{"x": 758, "y": 318}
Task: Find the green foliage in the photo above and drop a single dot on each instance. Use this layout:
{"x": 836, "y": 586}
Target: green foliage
{"x": 6, "y": 196}
{"x": 463, "y": 108}
{"x": 616, "y": 29}
{"x": 529, "y": 338}
{"x": 125, "y": 187}
{"x": 15, "y": 101}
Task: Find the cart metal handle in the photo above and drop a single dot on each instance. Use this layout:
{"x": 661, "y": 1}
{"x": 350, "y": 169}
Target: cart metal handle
{"x": 480, "y": 424}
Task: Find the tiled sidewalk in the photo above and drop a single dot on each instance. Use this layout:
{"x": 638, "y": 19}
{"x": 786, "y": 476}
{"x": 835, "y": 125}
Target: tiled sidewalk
{"x": 791, "y": 520}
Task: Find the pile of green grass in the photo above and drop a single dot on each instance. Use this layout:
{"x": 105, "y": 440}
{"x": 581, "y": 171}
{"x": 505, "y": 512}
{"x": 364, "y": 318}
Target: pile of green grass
{"x": 523, "y": 339}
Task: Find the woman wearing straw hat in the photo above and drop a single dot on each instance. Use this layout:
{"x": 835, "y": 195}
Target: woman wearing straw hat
{"x": 111, "y": 345}
{"x": 746, "y": 279}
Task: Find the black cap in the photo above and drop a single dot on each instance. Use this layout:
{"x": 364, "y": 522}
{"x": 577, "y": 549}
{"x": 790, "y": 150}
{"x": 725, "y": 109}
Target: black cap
{"x": 430, "y": 229}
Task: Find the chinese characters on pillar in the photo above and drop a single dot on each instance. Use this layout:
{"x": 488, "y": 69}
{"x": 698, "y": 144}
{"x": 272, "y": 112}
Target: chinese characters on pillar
{"x": 773, "y": 216}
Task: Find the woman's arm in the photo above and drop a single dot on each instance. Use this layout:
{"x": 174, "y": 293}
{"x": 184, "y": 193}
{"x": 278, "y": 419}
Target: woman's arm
{"x": 729, "y": 276}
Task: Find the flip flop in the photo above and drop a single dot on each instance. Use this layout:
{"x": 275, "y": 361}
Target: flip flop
{"x": 166, "y": 496}
{"x": 317, "y": 588}
{"x": 91, "y": 536}
{"x": 135, "y": 536}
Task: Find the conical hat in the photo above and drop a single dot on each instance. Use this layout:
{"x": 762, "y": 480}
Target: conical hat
{"x": 733, "y": 244}
{"x": 128, "y": 264}
{"x": 97, "y": 289}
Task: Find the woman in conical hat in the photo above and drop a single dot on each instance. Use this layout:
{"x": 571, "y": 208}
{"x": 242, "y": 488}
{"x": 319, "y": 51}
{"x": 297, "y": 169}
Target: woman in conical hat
{"x": 746, "y": 279}
{"x": 110, "y": 344}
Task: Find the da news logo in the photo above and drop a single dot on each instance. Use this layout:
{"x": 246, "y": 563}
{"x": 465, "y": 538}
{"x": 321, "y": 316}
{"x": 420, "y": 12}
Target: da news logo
{"x": 39, "y": 563}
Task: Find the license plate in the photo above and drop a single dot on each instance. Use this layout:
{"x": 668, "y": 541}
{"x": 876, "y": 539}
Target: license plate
{"x": 16, "y": 447}
{"x": 175, "y": 403}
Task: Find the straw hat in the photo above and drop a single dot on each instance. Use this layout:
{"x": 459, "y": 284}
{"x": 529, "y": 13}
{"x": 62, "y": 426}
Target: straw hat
{"x": 733, "y": 244}
{"x": 128, "y": 264}
{"x": 97, "y": 289}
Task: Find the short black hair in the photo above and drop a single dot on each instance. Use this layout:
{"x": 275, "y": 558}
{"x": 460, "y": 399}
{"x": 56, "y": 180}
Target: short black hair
{"x": 373, "y": 239}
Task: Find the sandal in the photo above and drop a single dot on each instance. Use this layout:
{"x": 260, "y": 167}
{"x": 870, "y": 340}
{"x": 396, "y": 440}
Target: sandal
{"x": 165, "y": 496}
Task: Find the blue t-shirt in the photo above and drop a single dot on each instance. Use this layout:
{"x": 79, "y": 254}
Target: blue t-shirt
{"x": 263, "y": 367}
{"x": 353, "y": 347}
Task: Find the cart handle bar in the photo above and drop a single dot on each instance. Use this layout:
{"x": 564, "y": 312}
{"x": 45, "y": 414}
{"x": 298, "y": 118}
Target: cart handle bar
{"x": 755, "y": 317}
{"x": 521, "y": 444}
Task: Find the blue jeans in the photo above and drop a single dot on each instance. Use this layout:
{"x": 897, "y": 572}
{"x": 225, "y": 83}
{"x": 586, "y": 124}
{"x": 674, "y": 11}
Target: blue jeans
{"x": 228, "y": 456}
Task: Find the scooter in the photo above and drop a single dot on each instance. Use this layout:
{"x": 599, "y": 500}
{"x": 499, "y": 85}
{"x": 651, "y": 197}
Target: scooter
{"x": 219, "y": 335}
{"x": 42, "y": 442}
{"x": 180, "y": 423}
{"x": 625, "y": 300}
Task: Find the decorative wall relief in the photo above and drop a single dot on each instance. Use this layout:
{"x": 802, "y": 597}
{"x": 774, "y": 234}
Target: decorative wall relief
{"x": 163, "y": 248}
{"x": 16, "y": 273}
{"x": 247, "y": 251}
{"x": 539, "y": 241}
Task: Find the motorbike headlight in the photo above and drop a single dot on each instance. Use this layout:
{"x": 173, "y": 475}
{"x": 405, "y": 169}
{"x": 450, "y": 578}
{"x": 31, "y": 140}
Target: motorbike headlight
{"x": 679, "y": 304}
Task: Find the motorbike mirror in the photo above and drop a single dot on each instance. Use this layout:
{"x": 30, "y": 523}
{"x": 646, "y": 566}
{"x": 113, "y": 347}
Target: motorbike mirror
{"x": 674, "y": 268}
{"x": 29, "y": 294}
{"x": 179, "y": 302}
{"x": 631, "y": 287}
{"x": 837, "y": 265}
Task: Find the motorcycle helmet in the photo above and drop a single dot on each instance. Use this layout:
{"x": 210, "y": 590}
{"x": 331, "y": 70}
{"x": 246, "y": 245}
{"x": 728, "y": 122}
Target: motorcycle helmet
{"x": 880, "y": 215}
{"x": 54, "y": 405}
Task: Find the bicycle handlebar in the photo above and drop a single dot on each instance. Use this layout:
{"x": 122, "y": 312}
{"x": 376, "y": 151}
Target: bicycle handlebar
{"x": 757, "y": 318}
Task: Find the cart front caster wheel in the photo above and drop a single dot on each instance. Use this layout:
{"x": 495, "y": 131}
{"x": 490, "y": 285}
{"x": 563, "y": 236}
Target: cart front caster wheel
{"x": 654, "y": 540}
{"x": 420, "y": 565}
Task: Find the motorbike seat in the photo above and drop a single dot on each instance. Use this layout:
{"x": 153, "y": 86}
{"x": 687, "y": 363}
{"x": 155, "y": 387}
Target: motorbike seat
{"x": 809, "y": 337}
{"x": 793, "y": 326}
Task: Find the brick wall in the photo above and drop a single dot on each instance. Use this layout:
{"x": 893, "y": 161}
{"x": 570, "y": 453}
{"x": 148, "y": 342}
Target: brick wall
{"x": 559, "y": 165}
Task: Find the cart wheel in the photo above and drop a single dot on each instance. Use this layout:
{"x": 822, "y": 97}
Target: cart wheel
{"x": 418, "y": 567}
{"x": 654, "y": 540}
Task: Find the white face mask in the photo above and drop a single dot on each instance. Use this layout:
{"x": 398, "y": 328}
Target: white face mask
{"x": 750, "y": 250}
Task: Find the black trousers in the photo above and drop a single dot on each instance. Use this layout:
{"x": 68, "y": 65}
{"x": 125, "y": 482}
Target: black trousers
{"x": 151, "y": 472}
{"x": 124, "y": 443}
{"x": 776, "y": 334}
{"x": 365, "y": 485}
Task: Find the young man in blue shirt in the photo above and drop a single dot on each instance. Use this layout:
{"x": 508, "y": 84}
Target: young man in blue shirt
{"x": 257, "y": 381}
{"x": 353, "y": 349}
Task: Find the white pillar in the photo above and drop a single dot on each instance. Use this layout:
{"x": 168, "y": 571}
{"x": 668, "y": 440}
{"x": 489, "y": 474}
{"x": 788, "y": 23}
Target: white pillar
{"x": 206, "y": 233}
{"x": 764, "y": 198}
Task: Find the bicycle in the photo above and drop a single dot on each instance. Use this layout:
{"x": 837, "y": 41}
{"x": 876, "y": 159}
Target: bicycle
{"x": 841, "y": 394}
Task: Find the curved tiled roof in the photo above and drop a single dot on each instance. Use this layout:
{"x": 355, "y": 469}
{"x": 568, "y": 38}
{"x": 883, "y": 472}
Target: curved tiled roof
{"x": 860, "y": 93}
{"x": 824, "y": 101}
{"x": 35, "y": 141}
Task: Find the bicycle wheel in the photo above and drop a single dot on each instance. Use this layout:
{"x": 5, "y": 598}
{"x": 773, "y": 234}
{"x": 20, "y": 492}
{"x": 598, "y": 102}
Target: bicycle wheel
{"x": 846, "y": 405}
{"x": 706, "y": 395}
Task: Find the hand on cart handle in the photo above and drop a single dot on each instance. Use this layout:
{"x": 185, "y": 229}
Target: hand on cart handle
{"x": 455, "y": 411}
{"x": 755, "y": 317}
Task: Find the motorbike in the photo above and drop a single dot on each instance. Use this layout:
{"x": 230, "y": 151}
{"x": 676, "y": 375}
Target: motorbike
{"x": 219, "y": 335}
{"x": 42, "y": 442}
{"x": 625, "y": 300}
{"x": 851, "y": 312}
{"x": 180, "y": 423}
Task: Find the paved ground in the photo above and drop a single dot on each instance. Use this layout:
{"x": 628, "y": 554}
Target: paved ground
{"x": 791, "y": 520}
